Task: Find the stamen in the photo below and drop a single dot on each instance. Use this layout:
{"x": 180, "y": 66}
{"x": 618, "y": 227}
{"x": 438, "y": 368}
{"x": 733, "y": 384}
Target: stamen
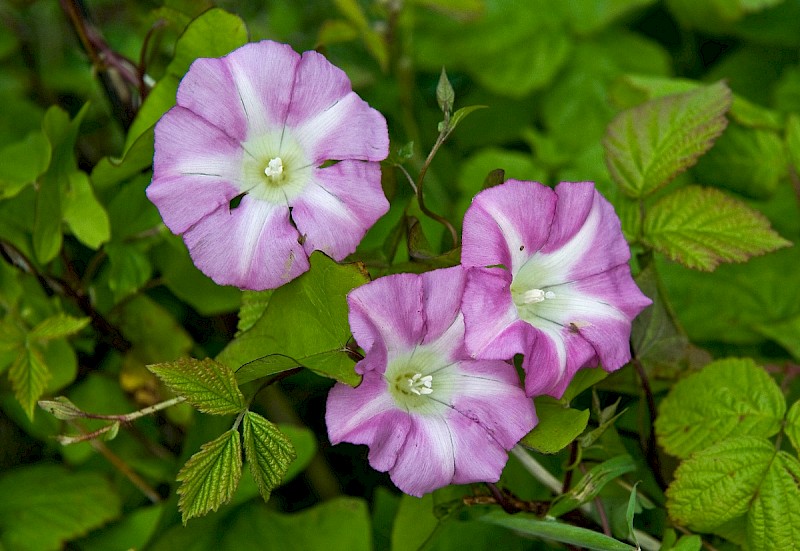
{"x": 420, "y": 385}
{"x": 536, "y": 295}
{"x": 274, "y": 168}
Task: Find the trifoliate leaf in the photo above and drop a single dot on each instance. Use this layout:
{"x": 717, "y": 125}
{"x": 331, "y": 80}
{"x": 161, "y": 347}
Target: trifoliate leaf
{"x": 774, "y": 518}
{"x": 717, "y": 484}
{"x": 701, "y": 227}
{"x": 792, "y": 427}
{"x": 647, "y": 146}
{"x": 206, "y": 384}
{"x": 29, "y": 376}
{"x": 557, "y": 427}
{"x": 269, "y": 452}
{"x": 591, "y": 483}
{"x": 57, "y": 327}
{"x": 728, "y": 397}
{"x": 83, "y": 213}
{"x": 46, "y": 505}
{"x": 209, "y": 477}
{"x": 445, "y": 95}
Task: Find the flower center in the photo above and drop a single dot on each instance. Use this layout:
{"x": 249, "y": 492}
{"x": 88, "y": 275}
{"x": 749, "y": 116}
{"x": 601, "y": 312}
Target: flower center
{"x": 419, "y": 385}
{"x": 274, "y": 169}
{"x": 532, "y": 296}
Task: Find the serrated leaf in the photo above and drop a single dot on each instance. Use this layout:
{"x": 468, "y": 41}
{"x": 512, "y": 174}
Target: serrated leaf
{"x": 717, "y": 484}
{"x": 792, "y": 427}
{"x": 45, "y": 505}
{"x": 528, "y": 524}
{"x": 57, "y": 327}
{"x": 701, "y": 227}
{"x": 774, "y": 517}
{"x": 647, "y": 146}
{"x": 209, "y": 477}
{"x": 557, "y": 427}
{"x": 591, "y": 483}
{"x": 305, "y": 319}
{"x": 206, "y": 384}
{"x": 62, "y": 408}
{"x": 269, "y": 452}
{"x": 29, "y": 376}
{"x": 727, "y": 397}
{"x": 83, "y": 213}
{"x": 445, "y": 95}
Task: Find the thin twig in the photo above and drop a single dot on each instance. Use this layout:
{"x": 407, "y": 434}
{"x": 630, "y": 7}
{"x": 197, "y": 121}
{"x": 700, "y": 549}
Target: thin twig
{"x": 420, "y": 196}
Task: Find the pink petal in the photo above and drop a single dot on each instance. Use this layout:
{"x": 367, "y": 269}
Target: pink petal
{"x": 253, "y": 246}
{"x": 443, "y": 290}
{"x": 367, "y": 415}
{"x": 339, "y": 206}
{"x": 247, "y": 92}
{"x": 318, "y": 86}
{"x": 507, "y": 224}
{"x": 386, "y": 314}
{"x": 196, "y": 169}
{"x": 552, "y": 360}
{"x": 586, "y": 238}
{"x": 427, "y": 460}
{"x": 478, "y": 455}
{"x": 493, "y": 328}
{"x": 489, "y": 394}
{"x": 349, "y": 129}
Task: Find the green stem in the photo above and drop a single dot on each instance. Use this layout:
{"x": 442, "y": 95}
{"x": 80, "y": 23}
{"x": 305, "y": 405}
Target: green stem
{"x": 128, "y": 417}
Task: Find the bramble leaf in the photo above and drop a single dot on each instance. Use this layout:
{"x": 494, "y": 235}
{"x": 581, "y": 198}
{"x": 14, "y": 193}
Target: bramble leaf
{"x": 269, "y": 452}
{"x": 206, "y": 384}
{"x": 29, "y": 376}
{"x": 701, "y": 227}
{"x": 716, "y": 485}
{"x": 57, "y": 327}
{"x": 558, "y": 426}
{"x": 209, "y": 477}
{"x": 46, "y": 505}
{"x": 647, "y": 146}
{"x": 774, "y": 517}
{"x": 728, "y": 397}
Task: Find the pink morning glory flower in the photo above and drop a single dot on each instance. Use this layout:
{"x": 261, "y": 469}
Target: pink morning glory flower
{"x": 285, "y": 137}
{"x": 550, "y": 281}
{"x": 430, "y": 414}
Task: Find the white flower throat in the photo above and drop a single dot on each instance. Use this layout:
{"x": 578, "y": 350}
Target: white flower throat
{"x": 532, "y": 296}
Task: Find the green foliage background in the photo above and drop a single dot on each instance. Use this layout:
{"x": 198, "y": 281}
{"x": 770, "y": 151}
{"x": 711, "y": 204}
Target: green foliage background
{"x": 685, "y": 114}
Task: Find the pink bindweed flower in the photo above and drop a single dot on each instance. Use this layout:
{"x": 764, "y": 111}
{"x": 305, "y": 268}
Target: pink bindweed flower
{"x": 550, "y": 281}
{"x": 430, "y": 414}
{"x": 285, "y": 135}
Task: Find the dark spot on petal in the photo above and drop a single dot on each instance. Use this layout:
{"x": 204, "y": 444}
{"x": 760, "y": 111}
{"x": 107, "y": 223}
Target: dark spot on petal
{"x": 301, "y": 239}
{"x": 234, "y": 203}
{"x": 522, "y": 247}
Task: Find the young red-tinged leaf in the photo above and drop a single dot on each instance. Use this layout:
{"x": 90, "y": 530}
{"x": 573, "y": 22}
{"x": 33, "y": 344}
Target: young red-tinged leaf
{"x": 209, "y": 477}
{"x": 701, "y": 227}
{"x": 29, "y": 376}
{"x": 717, "y": 484}
{"x": 731, "y": 397}
{"x": 269, "y": 452}
{"x": 57, "y": 327}
{"x": 647, "y": 146}
{"x": 206, "y": 384}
